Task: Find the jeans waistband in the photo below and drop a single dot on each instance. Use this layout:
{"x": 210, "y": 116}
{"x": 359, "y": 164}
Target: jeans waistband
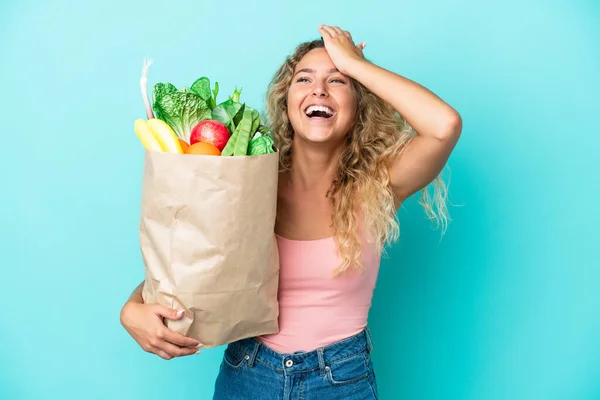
{"x": 301, "y": 361}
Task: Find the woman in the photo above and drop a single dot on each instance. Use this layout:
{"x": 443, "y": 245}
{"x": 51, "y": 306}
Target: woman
{"x": 356, "y": 140}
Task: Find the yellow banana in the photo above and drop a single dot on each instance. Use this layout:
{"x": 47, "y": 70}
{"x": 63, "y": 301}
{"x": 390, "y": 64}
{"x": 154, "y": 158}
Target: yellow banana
{"x": 143, "y": 132}
{"x": 165, "y": 136}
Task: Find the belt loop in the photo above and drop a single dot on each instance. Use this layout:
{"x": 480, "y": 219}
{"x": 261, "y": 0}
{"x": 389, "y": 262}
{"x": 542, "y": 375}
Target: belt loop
{"x": 253, "y": 354}
{"x": 369, "y": 340}
{"x": 321, "y": 358}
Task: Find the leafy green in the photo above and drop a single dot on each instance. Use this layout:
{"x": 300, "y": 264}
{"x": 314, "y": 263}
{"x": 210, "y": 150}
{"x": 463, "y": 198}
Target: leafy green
{"x": 238, "y": 116}
{"x": 226, "y": 112}
{"x": 182, "y": 110}
{"x": 264, "y": 130}
{"x": 261, "y": 144}
{"x": 202, "y": 88}
{"x": 219, "y": 114}
{"x": 161, "y": 89}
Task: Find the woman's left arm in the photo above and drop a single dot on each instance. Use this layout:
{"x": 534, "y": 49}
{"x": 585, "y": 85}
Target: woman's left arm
{"x": 438, "y": 125}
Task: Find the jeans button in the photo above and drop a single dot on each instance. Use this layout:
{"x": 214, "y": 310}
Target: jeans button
{"x": 289, "y": 363}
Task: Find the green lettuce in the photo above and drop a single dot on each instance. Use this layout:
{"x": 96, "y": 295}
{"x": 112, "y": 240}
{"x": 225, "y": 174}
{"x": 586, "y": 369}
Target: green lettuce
{"x": 262, "y": 142}
{"x": 202, "y": 88}
{"x": 182, "y": 109}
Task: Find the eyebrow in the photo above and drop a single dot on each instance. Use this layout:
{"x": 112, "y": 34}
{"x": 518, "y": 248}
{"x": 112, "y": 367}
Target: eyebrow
{"x": 312, "y": 71}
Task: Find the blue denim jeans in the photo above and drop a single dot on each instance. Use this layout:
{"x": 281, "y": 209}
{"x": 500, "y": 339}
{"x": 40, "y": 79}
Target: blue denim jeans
{"x": 343, "y": 370}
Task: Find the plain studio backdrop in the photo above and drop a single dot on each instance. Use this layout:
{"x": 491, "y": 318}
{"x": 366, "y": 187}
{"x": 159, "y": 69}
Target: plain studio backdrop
{"x": 504, "y": 306}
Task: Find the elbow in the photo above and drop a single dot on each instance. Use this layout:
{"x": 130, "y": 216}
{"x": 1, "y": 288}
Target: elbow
{"x": 451, "y": 127}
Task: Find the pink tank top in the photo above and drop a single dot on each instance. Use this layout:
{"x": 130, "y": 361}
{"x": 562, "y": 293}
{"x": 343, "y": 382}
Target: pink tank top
{"x": 315, "y": 307}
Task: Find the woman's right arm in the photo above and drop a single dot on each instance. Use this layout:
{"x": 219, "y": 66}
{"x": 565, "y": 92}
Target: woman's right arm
{"x": 144, "y": 322}
{"x": 136, "y": 295}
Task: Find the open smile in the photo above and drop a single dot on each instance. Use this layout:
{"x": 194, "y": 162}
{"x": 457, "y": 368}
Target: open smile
{"x": 319, "y": 112}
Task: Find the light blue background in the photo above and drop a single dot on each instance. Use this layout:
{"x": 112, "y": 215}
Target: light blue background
{"x": 506, "y": 306}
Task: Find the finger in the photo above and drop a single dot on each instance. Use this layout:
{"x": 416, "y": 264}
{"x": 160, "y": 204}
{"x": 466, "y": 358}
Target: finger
{"x": 337, "y": 31}
{"x": 162, "y": 354}
{"x": 150, "y": 348}
{"x": 169, "y": 313}
{"x": 331, "y": 33}
{"x": 362, "y": 45}
{"x": 179, "y": 339}
{"x": 324, "y": 33}
{"x": 176, "y": 351}
{"x": 347, "y": 34}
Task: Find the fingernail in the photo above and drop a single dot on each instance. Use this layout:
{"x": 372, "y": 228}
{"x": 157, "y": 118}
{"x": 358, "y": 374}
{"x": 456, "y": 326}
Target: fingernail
{"x": 180, "y": 313}
{"x": 200, "y": 345}
{"x": 197, "y": 351}
{"x": 364, "y": 44}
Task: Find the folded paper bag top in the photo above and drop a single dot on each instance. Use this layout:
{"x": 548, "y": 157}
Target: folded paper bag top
{"x": 208, "y": 244}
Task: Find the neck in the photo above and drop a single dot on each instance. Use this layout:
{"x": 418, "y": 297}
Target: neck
{"x": 314, "y": 166}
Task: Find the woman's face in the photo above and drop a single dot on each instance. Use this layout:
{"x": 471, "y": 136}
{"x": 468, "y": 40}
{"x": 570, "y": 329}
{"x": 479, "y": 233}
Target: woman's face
{"x": 321, "y": 100}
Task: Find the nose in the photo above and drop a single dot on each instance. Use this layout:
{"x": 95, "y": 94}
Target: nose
{"x": 320, "y": 90}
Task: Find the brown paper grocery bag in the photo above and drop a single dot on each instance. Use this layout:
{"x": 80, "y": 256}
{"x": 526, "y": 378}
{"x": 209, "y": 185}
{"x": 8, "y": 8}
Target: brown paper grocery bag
{"x": 208, "y": 243}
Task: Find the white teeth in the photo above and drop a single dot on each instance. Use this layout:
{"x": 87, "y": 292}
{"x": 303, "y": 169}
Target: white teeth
{"x": 324, "y": 109}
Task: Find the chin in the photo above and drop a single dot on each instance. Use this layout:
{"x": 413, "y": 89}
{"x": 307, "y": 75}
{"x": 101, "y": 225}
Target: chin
{"x": 319, "y": 136}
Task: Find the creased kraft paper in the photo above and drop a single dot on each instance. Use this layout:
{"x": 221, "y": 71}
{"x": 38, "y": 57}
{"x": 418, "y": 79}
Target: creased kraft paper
{"x": 208, "y": 243}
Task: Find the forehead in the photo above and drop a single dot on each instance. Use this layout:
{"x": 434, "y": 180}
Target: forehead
{"x": 317, "y": 59}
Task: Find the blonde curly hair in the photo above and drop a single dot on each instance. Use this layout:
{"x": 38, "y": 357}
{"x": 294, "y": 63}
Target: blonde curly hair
{"x": 378, "y": 136}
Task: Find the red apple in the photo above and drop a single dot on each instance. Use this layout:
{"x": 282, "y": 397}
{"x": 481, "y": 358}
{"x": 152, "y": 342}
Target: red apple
{"x": 210, "y": 131}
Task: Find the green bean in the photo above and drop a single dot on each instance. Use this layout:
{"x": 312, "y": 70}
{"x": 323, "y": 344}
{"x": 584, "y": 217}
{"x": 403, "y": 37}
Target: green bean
{"x": 241, "y": 144}
{"x": 230, "y": 146}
